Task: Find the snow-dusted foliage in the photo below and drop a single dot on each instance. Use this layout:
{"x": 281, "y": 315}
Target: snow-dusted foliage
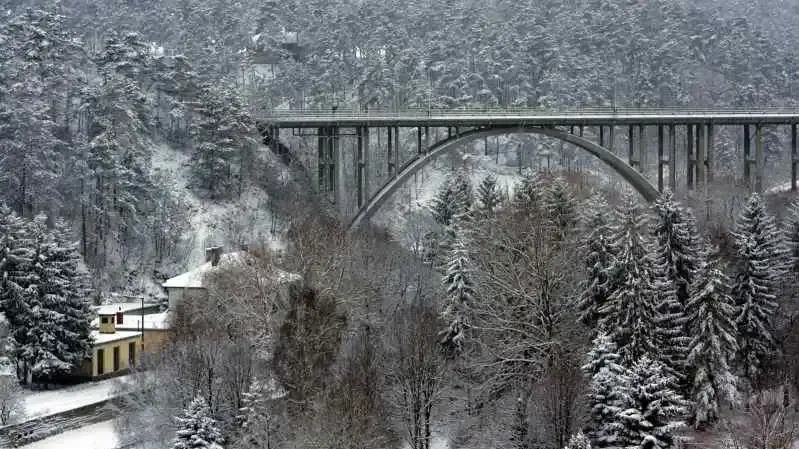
{"x": 454, "y": 198}
{"x": 629, "y": 313}
{"x": 254, "y": 417}
{"x": 579, "y": 441}
{"x": 679, "y": 254}
{"x": 711, "y": 314}
{"x": 792, "y": 236}
{"x": 528, "y": 193}
{"x": 489, "y": 197}
{"x": 197, "y": 428}
{"x": 597, "y": 254}
{"x": 459, "y": 283}
{"x": 758, "y": 269}
{"x": 561, "y": 206}
{"x": 606, "y": 394}
{"x": 654, "y": 412}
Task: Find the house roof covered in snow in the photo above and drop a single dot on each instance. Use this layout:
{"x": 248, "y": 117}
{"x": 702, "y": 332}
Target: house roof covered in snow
{"x": 124, "y": 307}
{"x": 100, "y": 338}
{"x": 194, "y": 278}
{"x": 154, "y": 321}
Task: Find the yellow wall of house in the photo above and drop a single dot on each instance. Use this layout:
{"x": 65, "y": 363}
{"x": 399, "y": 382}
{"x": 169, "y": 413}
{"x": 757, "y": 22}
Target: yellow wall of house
{"x": 108, "y": 357}
{"x": 155, "y": 339}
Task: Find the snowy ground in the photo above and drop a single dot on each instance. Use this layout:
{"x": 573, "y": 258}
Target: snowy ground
{"x": 247, "y": 219}
{"x": 94, "y": 436}
{"x": 56, "y": 401}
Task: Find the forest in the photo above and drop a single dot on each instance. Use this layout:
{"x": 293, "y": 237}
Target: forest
{"x": 545, "y": 315}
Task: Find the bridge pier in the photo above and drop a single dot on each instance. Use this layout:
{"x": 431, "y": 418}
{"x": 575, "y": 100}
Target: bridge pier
{"x": 759, "y": 158}
{"x": 794, "y": 157}
{"x": 710, "y": 151}
{"x": 662, "y": 162}
{"x": 700, "y": 155}
{"x": 631, "y": 146}
{"x": 747, "y": 157}
{"x": 673, "y": 157}
{"x": 362, "y": 165}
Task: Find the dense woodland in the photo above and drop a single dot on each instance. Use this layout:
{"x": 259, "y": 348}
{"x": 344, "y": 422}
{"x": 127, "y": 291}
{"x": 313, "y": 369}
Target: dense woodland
{"x": 549, "y": 317}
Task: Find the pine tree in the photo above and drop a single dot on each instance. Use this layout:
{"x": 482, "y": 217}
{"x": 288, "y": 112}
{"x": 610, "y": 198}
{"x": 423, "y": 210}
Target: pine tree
{"x": 598, "y": 255}
{"x": 679, "y": 254}
{"x": 459, "y": 283}
{"x": 254, "y": 417}
{"x": 629, "y": 313}
{"x": 654, "y": 411}
{"x": 606, "y": 396}
{"x": 453, "y": 199}
{"x": 488, "y": 196}
{"x": 759, "y": 266}
{"x": 197, "y": 429}
{"x": 792, "y": 237}
{"x": 560, "y": 205}
{"x": 527, "y": 194}
{"x": 579, "y": 441}
{"x": 711, "y": 313}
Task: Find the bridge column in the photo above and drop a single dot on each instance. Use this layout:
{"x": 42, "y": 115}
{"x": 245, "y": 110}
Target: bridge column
{"x": 673, "y": 157}
{"x": 661, "y": 158}
{"x": 690, "y": 157}
{"x": 322, "y": 158}
{"x": 747, "y": 157}
{"x": 710, "y": 152}
{"x": 275, "y": 140}
{"x": 582, "y": 130}
{"x": 794, "y": 157}
{"x": 642, "y": 148}
{"x": 427, "y": 139}
{"x": 601, "y": 136}
{"x": 336, "y": 167}
{"x": 390, "y": 152}
{"x": 631, "y": 146}
{"x": 759, "y": 158}
{"x": 701, "y": 151}
{"x": 419, "y": 140}
{"x": 362, "y": 165}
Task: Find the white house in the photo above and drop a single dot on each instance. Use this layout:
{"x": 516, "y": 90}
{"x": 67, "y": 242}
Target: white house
{"x": 191, "y": 282}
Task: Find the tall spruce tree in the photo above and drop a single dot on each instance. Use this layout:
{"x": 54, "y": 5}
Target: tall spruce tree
{"x": 197, "y": 429}
{"x": 679, "y": 253}
{"x": 711, "y": 313}
{"x": 606, "y": 395}
{"x": 459, "y": 283}
{"x": 792, "y": 237}
{"x": 561, "y": 206}
{"x": 528, "y": 193}
{"x": 579, "y": 441}
{"x": 654, "y": 411}
{"x": 597, "y": 253}
{"x": 254, "y": 417}
{"x": 629, "y": 313}
{"x": 758, "y": 269}
{"x": 489, "y": 196}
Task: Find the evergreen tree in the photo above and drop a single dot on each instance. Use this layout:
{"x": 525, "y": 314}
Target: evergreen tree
{"x": 792, "y": 237}
{"x": 560, "y": 205}
{"x": 629, "y": 314}
{"x": 606, "y": 396}
{"x": 488, "y": 196}
{"x": 598, "y": 255}
{"x": 759, "y": 266}
{"x": 711, "y": 313}
{"x": 197, "y": 429}
{"x": 654, "y": 411}
{"x": 455, "y": 198}
{"x": 679, "y": 254}
{"x": 579, "y": 441}
{"x": 459, "y": 284}
{"x": 527, "y": 194}
{"x": 254, "y": 417}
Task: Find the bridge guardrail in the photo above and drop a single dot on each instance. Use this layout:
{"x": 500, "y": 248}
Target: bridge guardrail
{"x": 352, "y": 113}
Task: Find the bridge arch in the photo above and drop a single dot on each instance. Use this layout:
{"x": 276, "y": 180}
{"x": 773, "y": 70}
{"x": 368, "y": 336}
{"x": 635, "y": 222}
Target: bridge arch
{"x": 638, "y": 181}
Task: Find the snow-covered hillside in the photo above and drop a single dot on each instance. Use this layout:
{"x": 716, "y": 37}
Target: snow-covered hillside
{"x": 247, "y": 220}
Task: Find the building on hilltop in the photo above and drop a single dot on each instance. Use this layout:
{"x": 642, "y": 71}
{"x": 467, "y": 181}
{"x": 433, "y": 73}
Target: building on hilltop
{"x": 190, "y": 284}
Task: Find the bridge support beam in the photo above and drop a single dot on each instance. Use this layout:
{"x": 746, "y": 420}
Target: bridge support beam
{"x": 642, "y": 159}
{"x": 662, "y": 162}
{"x": 759, "y": 158}
{"x": 690, "y": 156}
{"x": 794, "y": 157}
{"x": 362, "y": 165}
{"x": 701, "y": 151}
{"x": 747, "y": 157}
{"x": 710, "y": 152}
{"x": 673, "y": 157}
{"x": 631, "y": 146}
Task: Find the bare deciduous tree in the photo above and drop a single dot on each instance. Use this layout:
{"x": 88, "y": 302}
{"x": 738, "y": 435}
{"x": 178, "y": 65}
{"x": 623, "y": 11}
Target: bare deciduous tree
{"x": 12, "y": 404}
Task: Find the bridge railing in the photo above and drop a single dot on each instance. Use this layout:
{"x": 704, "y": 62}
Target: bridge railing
{"x": 424, "y": 112}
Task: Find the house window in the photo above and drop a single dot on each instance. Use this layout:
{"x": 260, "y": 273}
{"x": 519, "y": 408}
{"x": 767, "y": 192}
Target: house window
{"x": 116, "y": 358}
{"x": 132, "y": 354}
{"x": 100, "y": 362}
{"x": 104, "y": 319}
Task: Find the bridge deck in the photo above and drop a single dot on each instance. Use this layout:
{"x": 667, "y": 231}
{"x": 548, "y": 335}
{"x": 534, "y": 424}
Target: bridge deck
{"x": 527, "y": 117}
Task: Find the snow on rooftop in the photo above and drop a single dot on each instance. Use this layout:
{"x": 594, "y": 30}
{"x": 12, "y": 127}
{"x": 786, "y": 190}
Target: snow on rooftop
{"x": 194, "y": 278}
{"x": 124, "y": 307}
{"x": 100, "y": 338}
{"x": 153, "y": 321}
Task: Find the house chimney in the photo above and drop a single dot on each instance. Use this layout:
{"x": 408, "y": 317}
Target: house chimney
{"x": 119, "y": 316}
{"x": 216, "y": 253}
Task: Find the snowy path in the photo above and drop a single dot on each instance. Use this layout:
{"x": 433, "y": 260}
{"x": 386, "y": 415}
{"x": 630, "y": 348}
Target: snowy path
{"x": 56, "y": 401}
{"x": 94, "y": 436}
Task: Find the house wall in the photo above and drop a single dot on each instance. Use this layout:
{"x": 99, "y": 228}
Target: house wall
{"x": 155, "y": 339}
{"x": 109, "y": 356}
{"x": 176, "y": 295}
